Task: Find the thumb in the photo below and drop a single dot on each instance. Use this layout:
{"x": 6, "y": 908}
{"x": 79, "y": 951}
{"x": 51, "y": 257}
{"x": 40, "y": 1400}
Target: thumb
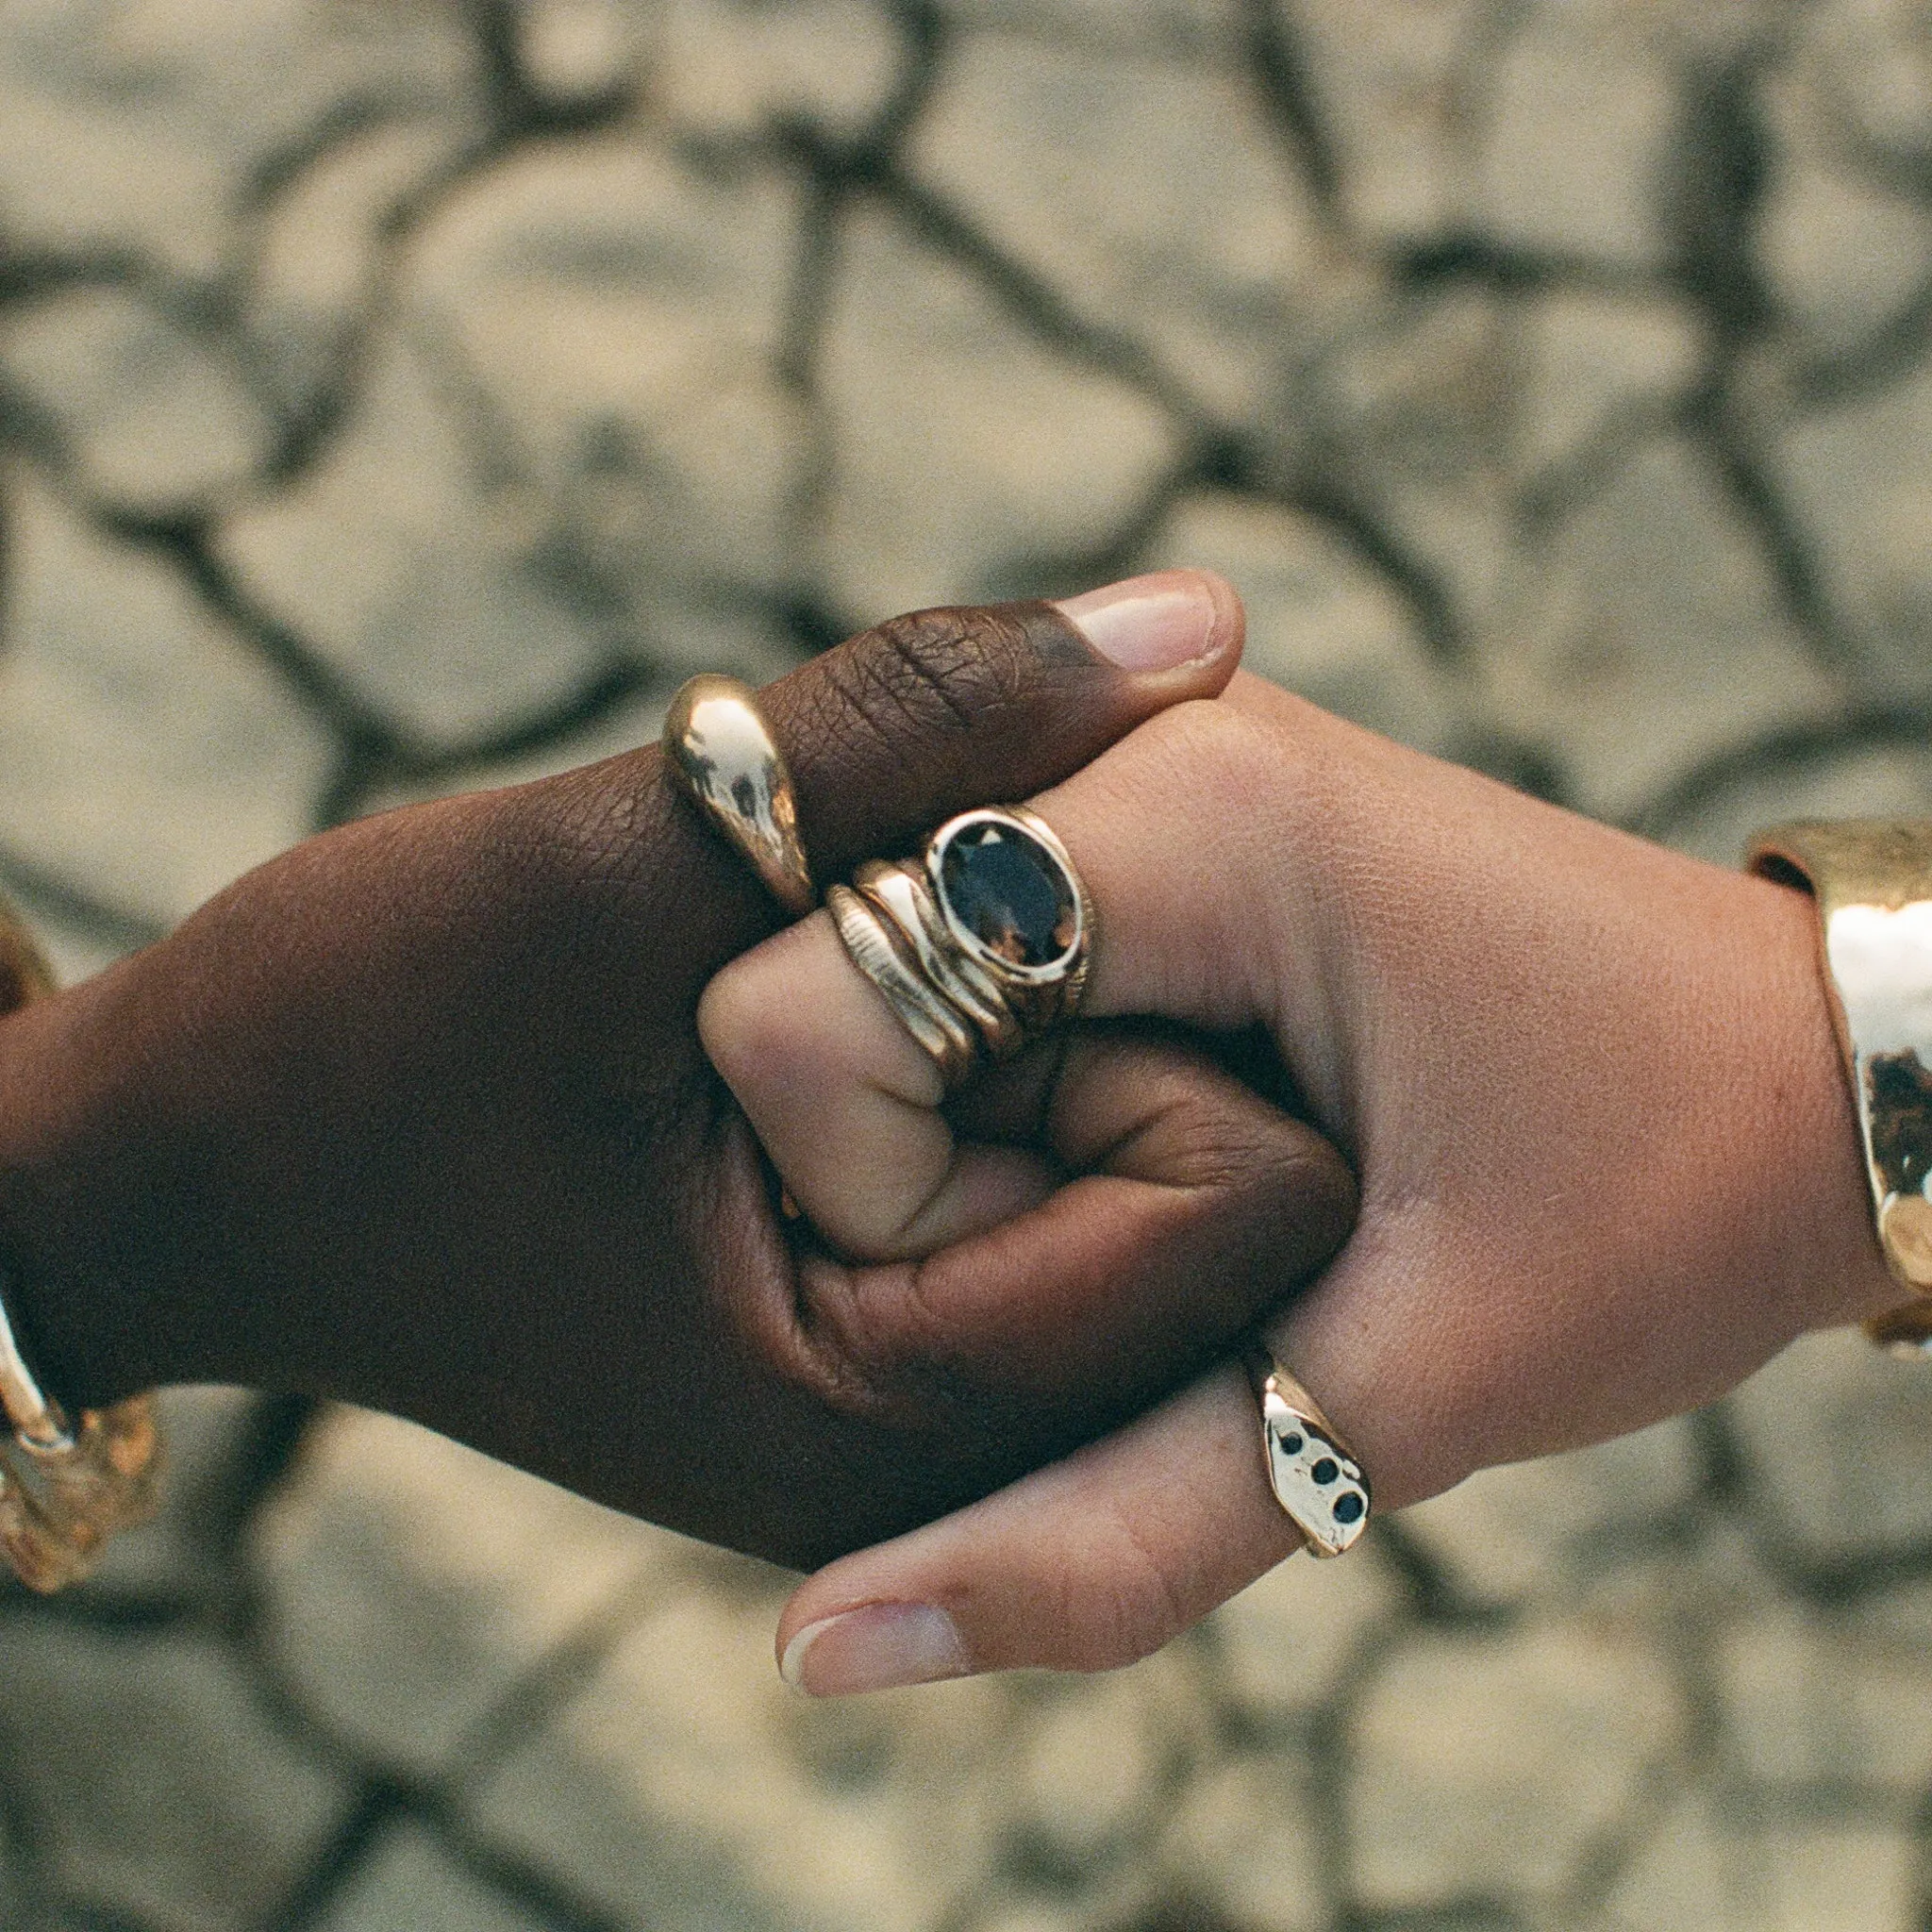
{"x": 1097, "y": 1560}
{"x": 885, "y": 736}
{"x": 1433, "y": 1357}
{"x": 932, "y": 714}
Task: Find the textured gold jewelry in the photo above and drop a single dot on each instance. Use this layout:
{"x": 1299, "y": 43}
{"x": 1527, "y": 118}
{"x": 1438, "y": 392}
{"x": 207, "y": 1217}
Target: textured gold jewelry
{"x": 1316, "y": 1478}
{"x": 901, "y": 894}
{"x": 921, "y": 1009}
{"x": 1872, "y": 879}
{"x": 65, "y": 1486}
{"x": 722, "y": 757}
{"x": 981, "y": 943}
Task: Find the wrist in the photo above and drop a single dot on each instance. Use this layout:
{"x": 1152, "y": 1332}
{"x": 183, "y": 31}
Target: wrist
{"x": 78, "y": 1243}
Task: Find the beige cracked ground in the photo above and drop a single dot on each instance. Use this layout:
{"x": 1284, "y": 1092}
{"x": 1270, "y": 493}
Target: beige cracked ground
{"x": 400, "y": 395}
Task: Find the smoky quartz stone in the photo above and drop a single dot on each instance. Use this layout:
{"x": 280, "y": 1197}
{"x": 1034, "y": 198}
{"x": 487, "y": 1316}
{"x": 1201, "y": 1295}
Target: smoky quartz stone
{"x": 1011, "y": 893}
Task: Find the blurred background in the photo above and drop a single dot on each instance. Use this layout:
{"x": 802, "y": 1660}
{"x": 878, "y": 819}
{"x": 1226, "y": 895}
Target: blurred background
{"x": 403, "y": 395}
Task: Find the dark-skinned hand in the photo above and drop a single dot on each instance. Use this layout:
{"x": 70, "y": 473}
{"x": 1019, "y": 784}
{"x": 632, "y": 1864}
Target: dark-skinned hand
{"x": 416, "y": 1116}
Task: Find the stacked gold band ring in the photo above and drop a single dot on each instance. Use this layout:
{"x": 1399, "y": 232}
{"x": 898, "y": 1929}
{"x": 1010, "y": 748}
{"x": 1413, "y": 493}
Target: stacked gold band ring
{"x": 981, "y": 943}
{"x": 1316, "y": 1477}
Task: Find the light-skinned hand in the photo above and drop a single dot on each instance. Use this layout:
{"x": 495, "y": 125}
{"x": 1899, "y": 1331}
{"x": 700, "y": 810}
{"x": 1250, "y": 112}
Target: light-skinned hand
{"x": 1590, "y": 1088}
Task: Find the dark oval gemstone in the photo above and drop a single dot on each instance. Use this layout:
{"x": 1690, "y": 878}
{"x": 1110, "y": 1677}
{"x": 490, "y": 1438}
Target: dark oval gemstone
{"x": 1009, "y": 893}
{"x": 1326, "y": 1471}
{"x": 1349, "y": 1508}
{"x": 1291, "y": 1444}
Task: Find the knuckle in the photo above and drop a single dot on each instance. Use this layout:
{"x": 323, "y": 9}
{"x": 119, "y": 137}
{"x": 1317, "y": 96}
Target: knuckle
{"x": 933, "y": 670}
{"x": 871, "y": 1349}
{"x": 1125, "y": 1612}
{"x": 1251, "y": 759}
{"x": 1271, "y": 788}
{"x": 895, "y": 1357}
{"x": 1224, "y": 761}
{"x": 1308, "y": 1196}
{"x": 735, "y": 1020}
{"x": 1216, "y": 1128}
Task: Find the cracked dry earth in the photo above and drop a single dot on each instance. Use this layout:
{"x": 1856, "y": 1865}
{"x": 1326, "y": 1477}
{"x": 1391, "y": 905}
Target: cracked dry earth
{"x": 401, "y": 396}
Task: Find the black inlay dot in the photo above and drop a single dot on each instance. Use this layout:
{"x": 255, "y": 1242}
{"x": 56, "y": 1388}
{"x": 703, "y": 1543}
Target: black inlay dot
{"x": 1349, "y": 1508}
{"x": 1291, "y": 1444}
{"x": 1010, "y": 893}
{"x": 1326, "y": 1471}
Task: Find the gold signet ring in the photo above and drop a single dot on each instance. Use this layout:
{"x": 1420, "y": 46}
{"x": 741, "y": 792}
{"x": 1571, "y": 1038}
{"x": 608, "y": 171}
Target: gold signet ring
{"x": 726, "y": 762}
{"x": 1317, "y": 1480}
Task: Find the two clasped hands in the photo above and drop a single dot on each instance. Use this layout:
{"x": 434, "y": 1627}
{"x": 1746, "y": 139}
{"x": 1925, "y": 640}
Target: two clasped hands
{"x": 1510, "y": 1131}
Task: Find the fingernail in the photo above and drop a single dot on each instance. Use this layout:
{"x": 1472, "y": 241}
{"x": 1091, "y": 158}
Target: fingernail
{"x": 1156, "y": 622}
{"x": 877, "y": 1647}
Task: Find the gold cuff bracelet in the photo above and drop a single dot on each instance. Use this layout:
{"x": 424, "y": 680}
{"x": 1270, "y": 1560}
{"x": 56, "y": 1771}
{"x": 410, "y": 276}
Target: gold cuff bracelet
{"x": 1872, "y": 879}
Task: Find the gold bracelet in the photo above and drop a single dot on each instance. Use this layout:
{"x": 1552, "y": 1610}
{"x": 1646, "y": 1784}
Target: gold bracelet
{"x": 1872, "y": 879}
{"x": 65, "y": 1487}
